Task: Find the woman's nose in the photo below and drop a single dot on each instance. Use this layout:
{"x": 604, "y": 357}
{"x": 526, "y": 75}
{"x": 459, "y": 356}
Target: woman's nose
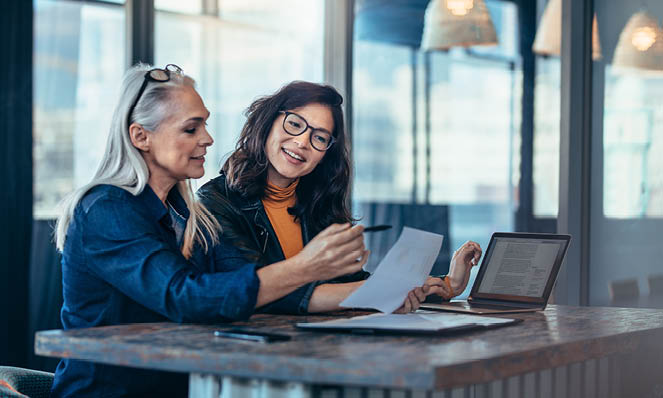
{"x": 302, "y": 140}
{"x": 207, "y": 139}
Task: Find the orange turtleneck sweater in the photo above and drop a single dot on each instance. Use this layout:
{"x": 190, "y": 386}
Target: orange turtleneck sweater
{"x": 277, "y": 200}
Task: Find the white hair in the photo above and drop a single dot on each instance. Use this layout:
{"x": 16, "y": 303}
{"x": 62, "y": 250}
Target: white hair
{"x": 123, "y": 166}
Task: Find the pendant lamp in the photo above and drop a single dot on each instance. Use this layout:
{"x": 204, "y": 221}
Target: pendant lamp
{"x": 548, "y": 39}
{"x": 457, "y": 23}
{"x": 640, "y": 44}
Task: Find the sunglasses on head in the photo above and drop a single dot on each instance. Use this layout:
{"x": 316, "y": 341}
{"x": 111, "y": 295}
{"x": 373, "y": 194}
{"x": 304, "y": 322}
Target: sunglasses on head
{"x": 153, "y": 75}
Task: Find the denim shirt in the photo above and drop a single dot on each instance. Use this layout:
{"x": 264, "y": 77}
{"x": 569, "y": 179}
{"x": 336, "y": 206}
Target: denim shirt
{"x": 122, "y": 263}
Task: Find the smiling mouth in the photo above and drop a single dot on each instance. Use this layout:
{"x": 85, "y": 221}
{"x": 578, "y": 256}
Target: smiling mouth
{"x": 293, "y": 155}
{"x": 201, "y": 157}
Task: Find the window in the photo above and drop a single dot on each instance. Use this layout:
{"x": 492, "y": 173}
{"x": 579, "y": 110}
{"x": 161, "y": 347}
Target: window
{"x": 239, "y": 52}
{"x": 632, "y": 145}
{"x": 627, "y": 151}
{"x": 435, "y": 135}
{"x": 547, "y": 107}
{"x": 79, "y": 60}
{"x": 236, "y": 51}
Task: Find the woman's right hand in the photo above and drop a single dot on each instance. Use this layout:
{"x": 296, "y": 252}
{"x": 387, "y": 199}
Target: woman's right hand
{"x": 337, "y": 250}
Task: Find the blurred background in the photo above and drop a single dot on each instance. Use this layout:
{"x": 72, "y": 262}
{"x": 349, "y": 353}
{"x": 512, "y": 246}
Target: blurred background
{"x": 466, "y": 116}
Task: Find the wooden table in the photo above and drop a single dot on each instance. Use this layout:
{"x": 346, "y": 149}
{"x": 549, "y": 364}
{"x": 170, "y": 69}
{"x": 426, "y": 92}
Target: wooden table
{"x": 611, "y": 349}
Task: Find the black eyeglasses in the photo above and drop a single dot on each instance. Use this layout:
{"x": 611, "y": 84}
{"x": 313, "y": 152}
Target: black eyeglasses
{"x": 153, "y": 75}
{"x": 294, "y": 124}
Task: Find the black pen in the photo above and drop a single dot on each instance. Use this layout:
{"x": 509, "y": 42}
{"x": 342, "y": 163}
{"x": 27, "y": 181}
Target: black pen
{"x": 376, "y": 228}
{"x": 251, "y": 335}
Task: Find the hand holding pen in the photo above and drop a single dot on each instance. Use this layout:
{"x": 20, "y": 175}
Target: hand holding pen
{"x": 377, "y": 228}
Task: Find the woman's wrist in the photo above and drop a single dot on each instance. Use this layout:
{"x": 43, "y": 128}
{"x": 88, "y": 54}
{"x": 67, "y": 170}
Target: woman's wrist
{"x": 452, "y": 287}
{"x": 299, "y": 269}
{"x": 280, "y": 279}
{"x": 454, "y": 284}
{"x": 328, "y": 296}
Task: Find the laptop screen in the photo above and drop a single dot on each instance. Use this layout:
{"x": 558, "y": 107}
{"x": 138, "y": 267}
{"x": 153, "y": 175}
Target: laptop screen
{"x": 520, "y": 267}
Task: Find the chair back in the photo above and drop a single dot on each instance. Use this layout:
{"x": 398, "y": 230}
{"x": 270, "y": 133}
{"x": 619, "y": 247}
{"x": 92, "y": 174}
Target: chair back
{"x": 624, "y": 289}
{"x": 22, "y": 383}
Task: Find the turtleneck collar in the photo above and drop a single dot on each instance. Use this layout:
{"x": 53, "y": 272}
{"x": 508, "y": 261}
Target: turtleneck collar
{"x": 276, "y": 195}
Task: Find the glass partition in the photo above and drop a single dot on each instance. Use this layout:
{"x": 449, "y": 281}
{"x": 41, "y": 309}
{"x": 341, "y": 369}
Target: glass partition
{"x": 627, "y": 156}
{"x": 436, "y": 134}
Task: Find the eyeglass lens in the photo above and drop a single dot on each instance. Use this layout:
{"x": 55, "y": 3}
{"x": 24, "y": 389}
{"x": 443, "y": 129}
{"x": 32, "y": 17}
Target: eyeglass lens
{"x": 295, "y": 125}
{"x": 159, "y": 75}
{"x": 163, "y": 75}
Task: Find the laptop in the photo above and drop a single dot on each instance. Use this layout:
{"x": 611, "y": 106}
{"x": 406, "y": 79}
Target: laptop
{"x": 517, "y": 274}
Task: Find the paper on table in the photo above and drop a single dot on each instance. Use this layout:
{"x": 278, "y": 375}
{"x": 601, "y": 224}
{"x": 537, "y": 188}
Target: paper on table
{"x": 406, "y": 266}
{"x": 419, "y": 321}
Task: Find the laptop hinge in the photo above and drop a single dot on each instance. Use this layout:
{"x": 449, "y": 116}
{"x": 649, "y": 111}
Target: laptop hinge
{"x": 504, "y": 303}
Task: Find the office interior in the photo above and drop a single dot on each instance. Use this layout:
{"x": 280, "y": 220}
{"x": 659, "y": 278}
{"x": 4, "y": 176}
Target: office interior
{"x": 556, "y": 125}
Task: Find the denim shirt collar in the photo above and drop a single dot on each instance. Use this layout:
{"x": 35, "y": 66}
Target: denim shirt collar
{"x": 156, "y": 208}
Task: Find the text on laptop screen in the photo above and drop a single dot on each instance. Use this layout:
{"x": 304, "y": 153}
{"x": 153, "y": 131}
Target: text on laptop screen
{"x": 520, "y": 267}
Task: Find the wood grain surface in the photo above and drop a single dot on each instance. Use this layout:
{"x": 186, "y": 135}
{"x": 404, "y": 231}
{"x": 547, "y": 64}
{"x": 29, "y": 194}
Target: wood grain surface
{"x": 558, "y": 336}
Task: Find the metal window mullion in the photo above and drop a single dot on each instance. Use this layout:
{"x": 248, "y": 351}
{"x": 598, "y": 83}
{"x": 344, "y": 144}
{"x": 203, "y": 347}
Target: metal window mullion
{"x": 337, "y": 62}
{"x": 337, "y": 58}
{"x": 140, "y": 31}
{"x": 575, "y": 149}
{"x": 527, "y": 21}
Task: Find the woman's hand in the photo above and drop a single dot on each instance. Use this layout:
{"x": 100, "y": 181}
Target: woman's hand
{"x": 466, "y": 257}
{"x": 417, "y": 295}
{"x": 337, "y": 250}
{"x": 439, "y": 286}
{"x": 413, "y": 300}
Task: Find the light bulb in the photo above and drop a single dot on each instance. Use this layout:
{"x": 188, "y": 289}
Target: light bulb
{"x": 643, "y": 38}
{"x": 460, "y": 7}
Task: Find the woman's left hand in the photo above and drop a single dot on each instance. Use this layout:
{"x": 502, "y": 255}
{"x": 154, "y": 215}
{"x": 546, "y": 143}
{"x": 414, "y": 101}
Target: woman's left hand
{"x": 414, "y": 299}
{"x": 417, "y": 295}
{"x": 462, "y": 262}
{"x": 466, "y": 257}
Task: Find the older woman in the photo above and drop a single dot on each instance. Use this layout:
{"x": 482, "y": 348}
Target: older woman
{"x": 137, "y": 247}
{"x": 287, "y": 180}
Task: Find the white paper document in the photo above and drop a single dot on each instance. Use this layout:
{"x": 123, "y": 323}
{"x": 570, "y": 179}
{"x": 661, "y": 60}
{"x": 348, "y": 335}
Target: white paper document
{"x": 421, "y": 321}
{"x": 406, "y": 266}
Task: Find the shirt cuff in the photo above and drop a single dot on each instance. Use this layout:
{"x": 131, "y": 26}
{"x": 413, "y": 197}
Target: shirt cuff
{"x": 306, "y": 298}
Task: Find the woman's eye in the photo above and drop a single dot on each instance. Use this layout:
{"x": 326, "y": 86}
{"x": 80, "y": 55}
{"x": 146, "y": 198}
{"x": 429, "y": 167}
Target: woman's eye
{"x": 295, "y": 125}
{"x": 322, "y": 138}
{"x": 190, "y": 131}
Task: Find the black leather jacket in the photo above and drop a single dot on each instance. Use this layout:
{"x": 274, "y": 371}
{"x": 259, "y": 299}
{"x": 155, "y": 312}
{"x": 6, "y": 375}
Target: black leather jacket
{"x": 245, "y": 224}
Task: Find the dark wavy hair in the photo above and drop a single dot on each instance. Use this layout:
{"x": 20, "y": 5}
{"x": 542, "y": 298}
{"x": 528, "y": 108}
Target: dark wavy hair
{"x": 322, "y": 194}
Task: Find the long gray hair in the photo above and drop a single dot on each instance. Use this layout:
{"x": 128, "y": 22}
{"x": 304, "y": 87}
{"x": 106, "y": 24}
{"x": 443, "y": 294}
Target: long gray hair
{"x": 123, "y": 166}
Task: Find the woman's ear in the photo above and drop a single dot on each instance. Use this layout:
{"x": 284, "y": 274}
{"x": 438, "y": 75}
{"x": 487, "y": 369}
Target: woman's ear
{"x": 139, "y": 137}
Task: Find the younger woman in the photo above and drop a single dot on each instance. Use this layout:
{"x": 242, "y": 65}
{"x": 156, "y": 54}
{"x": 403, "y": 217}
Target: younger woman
{"x": 287, "y": 180}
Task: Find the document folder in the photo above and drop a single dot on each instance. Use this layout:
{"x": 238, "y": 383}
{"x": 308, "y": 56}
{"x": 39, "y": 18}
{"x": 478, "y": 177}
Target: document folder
{"x": 420, "y": 322}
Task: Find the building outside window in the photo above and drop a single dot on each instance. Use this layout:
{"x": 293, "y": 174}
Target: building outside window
{"x": 79, "y": 60}
{"x": 435, "y": 136}
{"x": 236, "y": 51}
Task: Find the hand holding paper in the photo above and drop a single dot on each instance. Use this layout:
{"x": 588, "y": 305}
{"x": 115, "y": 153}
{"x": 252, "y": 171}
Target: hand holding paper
{"x": 406, "y": 266}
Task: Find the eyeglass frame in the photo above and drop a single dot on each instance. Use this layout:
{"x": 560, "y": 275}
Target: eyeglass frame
{"x": 149, "y": 78}
{"x": 308, "y": 126}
